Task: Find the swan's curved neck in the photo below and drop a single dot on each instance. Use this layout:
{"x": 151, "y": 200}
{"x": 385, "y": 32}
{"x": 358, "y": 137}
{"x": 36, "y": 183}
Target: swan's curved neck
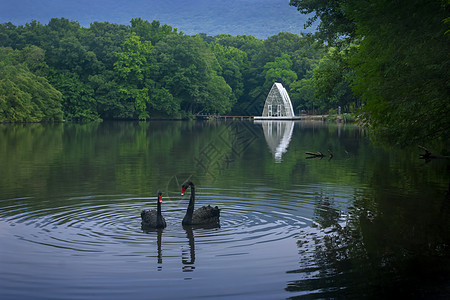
{"x": 190, "y": 210}
{"x": 158, "y": 208}
{"x": 158, "y": 213}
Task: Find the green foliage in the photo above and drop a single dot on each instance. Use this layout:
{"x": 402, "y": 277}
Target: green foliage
{"x": 132, "y": 63}
{"x": 78, "y": 97}
{"x": 333, "y": 80}
{"x": 134, "y": 67}
{"x": 34, "y": 58}
{"x": 188, "y": 69}
{"x": 25, "y": 96}
{"x": 153, "y": 31}
{"x": 399, "y": 68}
{"x": 163, "y": 101}
{"x": 303, "y": 96}
{"x": 285, "y": 57}
{"x": 104, "y": 40}
{"x": 246, "y": 43}
{"x": 232, "y": 62}
{"x": 144, "y": 70}
{"x": 402, "y": 71}
{"x": 335, "y": 22}
{"x": 279, "y": 70}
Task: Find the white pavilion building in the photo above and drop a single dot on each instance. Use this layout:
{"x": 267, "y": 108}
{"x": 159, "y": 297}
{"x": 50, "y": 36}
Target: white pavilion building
{"x": 278, "y": 105}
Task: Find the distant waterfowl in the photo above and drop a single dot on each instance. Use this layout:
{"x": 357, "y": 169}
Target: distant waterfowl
{"x": 153, "y": 218}
{"x": 206, "y": 215}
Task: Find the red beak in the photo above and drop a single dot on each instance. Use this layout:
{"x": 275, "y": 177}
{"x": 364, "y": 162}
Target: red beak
{"x": 182, "y": 191}
{"x": 160, "y": 198}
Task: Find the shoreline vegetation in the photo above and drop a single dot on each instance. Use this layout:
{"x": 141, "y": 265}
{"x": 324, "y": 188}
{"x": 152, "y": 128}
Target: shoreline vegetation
{"x": 397, "y": 86}
{"x": 344, "y": 118}
{"x": 147, "y": 70}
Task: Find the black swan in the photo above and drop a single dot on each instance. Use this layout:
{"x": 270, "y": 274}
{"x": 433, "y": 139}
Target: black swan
{"x": 205, "y": 215}
{"x": 153, "y": 218}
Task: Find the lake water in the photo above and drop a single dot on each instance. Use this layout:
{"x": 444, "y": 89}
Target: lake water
{"x": 364, "y": 223}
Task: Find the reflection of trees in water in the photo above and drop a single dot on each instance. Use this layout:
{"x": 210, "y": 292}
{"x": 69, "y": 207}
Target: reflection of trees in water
{"x": 325, "y": 214}
{"x": 27, "y": 154}
{"x": 398, "y": 248}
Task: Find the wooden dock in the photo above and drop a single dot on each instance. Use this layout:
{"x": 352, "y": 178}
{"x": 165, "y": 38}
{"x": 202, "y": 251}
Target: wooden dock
{"x": 216, "y": 117}
{"x": 260, "y": 118}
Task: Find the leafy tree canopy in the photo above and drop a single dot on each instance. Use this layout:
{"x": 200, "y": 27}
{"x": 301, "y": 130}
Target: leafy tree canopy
{"x": 148, "y": 70}
{"x": 400, "y": 66}
{"x": 25, "y": 96}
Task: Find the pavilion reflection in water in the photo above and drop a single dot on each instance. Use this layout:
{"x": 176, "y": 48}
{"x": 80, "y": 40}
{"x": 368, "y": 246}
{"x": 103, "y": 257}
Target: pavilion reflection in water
{"x": 278, "y": 135}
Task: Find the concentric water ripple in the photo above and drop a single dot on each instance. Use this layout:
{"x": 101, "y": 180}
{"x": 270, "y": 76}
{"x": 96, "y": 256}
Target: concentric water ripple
{"x": 110, "y": 223}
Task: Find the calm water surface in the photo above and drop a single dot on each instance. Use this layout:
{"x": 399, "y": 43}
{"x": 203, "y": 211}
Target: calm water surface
{"x": 366, "y": 223}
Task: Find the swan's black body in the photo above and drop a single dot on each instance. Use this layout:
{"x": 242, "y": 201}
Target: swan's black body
{"x": 206, "y": 215}
{"x": 153, "y": 218}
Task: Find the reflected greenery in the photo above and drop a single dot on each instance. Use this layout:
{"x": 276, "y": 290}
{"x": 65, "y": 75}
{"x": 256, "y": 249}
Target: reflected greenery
{"x": 140, "y": 157}
{"x": 393, "y": 243}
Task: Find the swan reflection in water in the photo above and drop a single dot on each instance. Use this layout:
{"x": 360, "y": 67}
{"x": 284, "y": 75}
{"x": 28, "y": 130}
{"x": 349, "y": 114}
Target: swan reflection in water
{"x": 278, "y": 135}
{"x": 188, "y": 255}
{"x": 158, "y": 243}
{"x": 187, "y": 250}
{"x": 206, "y": 217}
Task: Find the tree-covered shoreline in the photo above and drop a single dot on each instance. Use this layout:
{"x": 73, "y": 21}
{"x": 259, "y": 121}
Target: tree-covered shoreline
{"x": 386, "y": 63}
{"x": 397, "y": 57}
{"x": 148, "y": 70}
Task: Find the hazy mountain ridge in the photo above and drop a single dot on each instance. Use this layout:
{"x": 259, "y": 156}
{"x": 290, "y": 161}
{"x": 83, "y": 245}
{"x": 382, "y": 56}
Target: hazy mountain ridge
{"x": 260, "y": 18}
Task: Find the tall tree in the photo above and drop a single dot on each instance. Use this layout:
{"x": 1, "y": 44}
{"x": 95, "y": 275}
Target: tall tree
{"x": 187, "y": 68}
{"x": 304, "y": 97}
{"x": 279, "y": 70}
{"x": 251, "y": 100}
{"x": 24, "y": 95}
{"x": 333, "y": 80}
{"x": 105, "y": 40}
{"x": 333, "y": 17}
{"x": 402, "y": 70}
{"x": 134, "y": 65}
{"x": 233, "y": 63}
{"x": 154, "y": 31}
{"x": 401, "y": 66}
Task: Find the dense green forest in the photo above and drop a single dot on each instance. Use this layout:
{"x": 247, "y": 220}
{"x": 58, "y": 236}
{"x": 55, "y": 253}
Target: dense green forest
{"x": 146, "y": 70}
{"x": 385, "y": 62}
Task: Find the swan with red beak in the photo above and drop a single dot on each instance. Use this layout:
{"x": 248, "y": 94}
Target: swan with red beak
{"x": 206, "y": 215}
{"x": 152, "y": 218}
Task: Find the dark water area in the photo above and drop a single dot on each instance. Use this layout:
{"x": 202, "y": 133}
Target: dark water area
{"x": 364, "y": 223}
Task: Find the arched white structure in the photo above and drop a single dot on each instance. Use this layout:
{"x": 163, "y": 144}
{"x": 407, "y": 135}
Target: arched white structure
{"x": 278, "y": 104}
